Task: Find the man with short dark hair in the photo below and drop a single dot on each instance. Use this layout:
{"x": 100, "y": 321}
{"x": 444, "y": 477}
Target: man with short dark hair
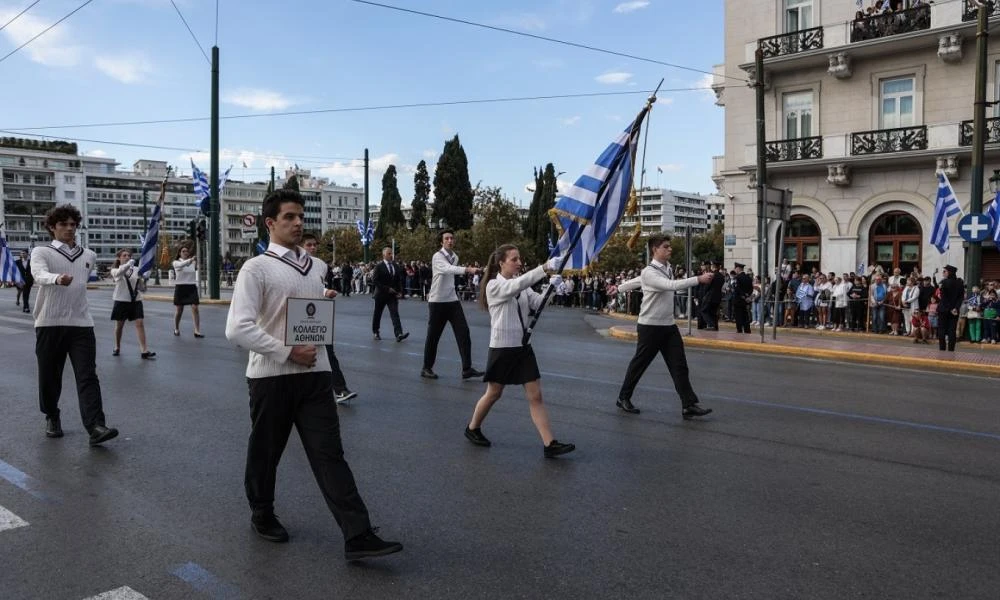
{"x": 64, "y": 326}
{"x": 388, "y": 290}
{"x": 742, "y": 297}
{"x": 657, "y": 331}
{"x": 444, "y": 307}
{"x": 291, "y": 385}
{"x": 952, "y": 296}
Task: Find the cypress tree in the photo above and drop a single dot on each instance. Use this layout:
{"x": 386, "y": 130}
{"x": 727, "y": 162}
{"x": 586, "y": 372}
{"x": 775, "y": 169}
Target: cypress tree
{"x": 532, "y": 225}
{"x": 391, "y": 214}
{"x": 452, "y": 190}
{"x": 421, "y": 194}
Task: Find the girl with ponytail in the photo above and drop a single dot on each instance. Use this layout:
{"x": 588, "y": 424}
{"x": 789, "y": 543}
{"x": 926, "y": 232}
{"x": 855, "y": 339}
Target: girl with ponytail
{"x": 509, "y": 299}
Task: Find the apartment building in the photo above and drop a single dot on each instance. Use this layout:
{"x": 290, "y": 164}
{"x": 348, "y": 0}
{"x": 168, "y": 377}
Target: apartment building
{"x": 861, "y": 109}
{"x": 669, "y": 210}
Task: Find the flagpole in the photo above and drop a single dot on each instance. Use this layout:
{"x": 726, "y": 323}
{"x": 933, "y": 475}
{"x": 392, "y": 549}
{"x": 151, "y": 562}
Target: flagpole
{"x": 579, "y": 231}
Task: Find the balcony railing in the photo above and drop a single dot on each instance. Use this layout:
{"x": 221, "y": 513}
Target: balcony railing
{"x": 970, "y": 11}
{"x": 881, "y": 141}
{"x": 796, "y": 149}
{"x": 992, "y": 132}
{"x": 891, "y": 23}
{"x": 790, "y": 43}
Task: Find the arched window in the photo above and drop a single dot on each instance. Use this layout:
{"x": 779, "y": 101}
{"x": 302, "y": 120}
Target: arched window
{"x": 894, "y": 241}
{"x": 802, "y": 245}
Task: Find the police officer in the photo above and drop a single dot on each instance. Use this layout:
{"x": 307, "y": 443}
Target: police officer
{"x": 742, "y": 297}
{"x": 711, "y": 298}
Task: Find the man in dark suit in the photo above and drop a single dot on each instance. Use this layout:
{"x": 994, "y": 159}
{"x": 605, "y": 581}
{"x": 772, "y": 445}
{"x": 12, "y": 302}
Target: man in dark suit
{"x": 388, "y": 279}
{"x": 712, "y": 298}
{"x": 742, "y": 297}
{"x": 346, "y": 278}
{"x": 952, "y": 295}
{"x": 24, "y": 268}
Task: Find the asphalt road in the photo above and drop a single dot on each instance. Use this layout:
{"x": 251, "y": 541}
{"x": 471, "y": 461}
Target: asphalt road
{"x": 811, "y": 480}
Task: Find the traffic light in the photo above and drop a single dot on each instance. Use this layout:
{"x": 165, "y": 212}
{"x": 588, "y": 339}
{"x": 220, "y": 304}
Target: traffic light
{"x": 192, "y": 231}
{"x": 201, "y": 230}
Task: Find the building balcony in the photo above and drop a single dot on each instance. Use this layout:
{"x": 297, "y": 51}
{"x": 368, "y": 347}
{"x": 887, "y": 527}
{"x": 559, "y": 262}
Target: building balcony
{"x": 970, "y": 11}
{"x": 992, "y": 131}
{"x": 794, "y": 149}
{"x": 791, "y": 43}
{"x": 881, "y": 141}
{"x": 921, "y": 27}
{"x": 891, "y": 23}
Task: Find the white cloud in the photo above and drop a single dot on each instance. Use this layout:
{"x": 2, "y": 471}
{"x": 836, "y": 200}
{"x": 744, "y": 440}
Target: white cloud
{"x": 52, "y": 49}
{"x": 96, "y": 153}
{"x": 570, "y": 120}
{"x": 126, "y": 69}
{"x": 671, "y": 167}
{"x": 258, "y": 99}
{"x": 627, "y": 7}
{"x": 429, "y": 154}
{"x": 705, "y": 83}
{"x": 561, "y": 186}
{"x": 355, "y": 169}
{"x": 613, "y": 77}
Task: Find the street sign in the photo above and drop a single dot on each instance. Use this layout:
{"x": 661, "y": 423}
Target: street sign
{"x": 974, "y": 227}
{"x": 778, "y": 204}
{"x": 249, "y": 234}
{"x": 249, "y": 221}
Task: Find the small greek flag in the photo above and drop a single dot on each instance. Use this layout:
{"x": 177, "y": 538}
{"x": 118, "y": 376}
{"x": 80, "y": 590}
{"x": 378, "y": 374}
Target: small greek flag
{"x": 945, "y": 208}
{"x": 202, "y": 191}
{"x": 261, "y": 247}
{"x": 993, "y": 212}
{"x": 147, "y": 257}
{"x": 9, "y": 273}
{"x": 594, "y": 205}
{"x": 367, "y": 234}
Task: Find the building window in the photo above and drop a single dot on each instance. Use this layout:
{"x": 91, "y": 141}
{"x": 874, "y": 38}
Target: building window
{"x": 895, "y": 241}
{"x": 69, "y": 178}
{"x": 797, "y": 110}
{"x": 69, "y": 194}
{"x": 798, "y": 15}
{"x": 897, "y": 103}
{"x": 802, "y": 243}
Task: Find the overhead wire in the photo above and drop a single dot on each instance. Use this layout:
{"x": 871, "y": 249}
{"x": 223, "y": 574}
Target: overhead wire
{"x": 541, "y": 37}
{"x": 44, "y": 31}
{"x": 193, "y": 36}
{"x": 18, "y": 15}
{"x": 354, "y": 109}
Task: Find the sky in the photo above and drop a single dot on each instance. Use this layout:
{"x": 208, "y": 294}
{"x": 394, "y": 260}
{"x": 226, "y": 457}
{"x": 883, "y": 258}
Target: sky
{"x": 135, "y": 60}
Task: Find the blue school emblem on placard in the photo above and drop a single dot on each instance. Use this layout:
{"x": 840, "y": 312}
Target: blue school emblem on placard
{"x": 311, "y": 310}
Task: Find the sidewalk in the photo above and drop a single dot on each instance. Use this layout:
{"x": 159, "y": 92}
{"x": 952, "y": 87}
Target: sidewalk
{"x": 865, "y": 348}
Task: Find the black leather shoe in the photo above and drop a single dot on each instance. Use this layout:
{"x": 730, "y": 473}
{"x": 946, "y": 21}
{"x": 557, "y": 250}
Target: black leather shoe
{"x": 470, "y": 373}
{"x": 402, "y": 336}
{"x": 556, "y": 448}
{"x": 100, "y": 434}
{"x": 476, "y": 437}
{"x": 626, "y": 405}
{"x": 377, "y": 337}
{"x": 693, "y": 411}
{"x": 369, "y": 545}
{"x": 148, "y": 355}
{"x": 53, "y": 428}
{"x": 428, "y": 374}
{"x": 267, "y": 526}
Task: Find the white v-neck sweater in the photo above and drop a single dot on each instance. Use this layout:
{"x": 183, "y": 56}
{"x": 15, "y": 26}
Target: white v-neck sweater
{"x": 62, "y": 305}
{"x": 256, "y": 318}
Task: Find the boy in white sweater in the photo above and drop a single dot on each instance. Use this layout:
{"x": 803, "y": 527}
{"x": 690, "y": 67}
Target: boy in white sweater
{"x": 291, "y": 385}
{"x": 64, "y": 327}
{"x": 658, "y": 334}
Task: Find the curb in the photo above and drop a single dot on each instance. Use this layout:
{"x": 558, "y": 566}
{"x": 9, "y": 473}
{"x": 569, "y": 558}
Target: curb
{"x": 627, "y": 333}
{"x": 156, "y": 298}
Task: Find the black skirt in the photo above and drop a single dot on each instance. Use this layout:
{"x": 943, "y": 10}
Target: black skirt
{"x": 511, "y": 366}
{"x": 126, "y": 311}
{"x": 185, "y": 294}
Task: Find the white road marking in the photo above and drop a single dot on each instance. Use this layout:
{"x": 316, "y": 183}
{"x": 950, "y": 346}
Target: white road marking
{"x": 122, "y": 593}
{"x": 9, "y": 520}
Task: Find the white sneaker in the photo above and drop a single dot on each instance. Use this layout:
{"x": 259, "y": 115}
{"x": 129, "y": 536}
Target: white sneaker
{"x": 344, "y": 396}
{"x": 819, "y": 327}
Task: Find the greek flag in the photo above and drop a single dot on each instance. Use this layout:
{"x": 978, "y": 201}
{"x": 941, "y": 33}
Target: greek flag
{"x": 591, "y": 209}
{"x": 9, "y": 273}
{"x": 224, "y": 179}
{"x": 201, "y": 190}
{"x": 945, "y": 208}
{"x": 261, "y": 247}
{"x": 993, "y": 212}
{"x": 367, "y": 234}
{"x": 147, "y": 257}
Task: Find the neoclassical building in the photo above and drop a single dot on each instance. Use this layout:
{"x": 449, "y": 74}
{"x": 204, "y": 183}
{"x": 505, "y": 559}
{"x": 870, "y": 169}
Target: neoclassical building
{"x": 860, "y": 113}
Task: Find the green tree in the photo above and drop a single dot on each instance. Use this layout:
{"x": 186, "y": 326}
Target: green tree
{"x": 390, "y": 216}
{"x": 545, "y": 231}
{"x": 348, "y": 244}
{"x": 417, "y": 244}
{"x": 497, "y": 222}
{"x": 452, "y": 190}
{"x": 704, "y": 246}
{"x": 421, "y": 194}
{"x": 617, "y": 256}
{"x": 292, "y": 183}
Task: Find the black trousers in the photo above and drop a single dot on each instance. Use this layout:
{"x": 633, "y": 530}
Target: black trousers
{"x": 52, "y": 346}
{"x": 665, "y": 340}
{"x": 710, "y": 314}
{"x": 440, "y": 314}
{"x": 336, "y": 374}
{"x": 393, "y": 304}
{"x": 305, "y": 401}
{"x": 947, "y": 325}
{"x": 741, "y": 313}
{"x": 25, "y": 293}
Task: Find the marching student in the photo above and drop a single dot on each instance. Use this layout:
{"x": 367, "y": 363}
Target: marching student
{"x": 658, "y": 334}
{"x": 128, "y": 302}
{"x": 340, "y": 392}
{"x": 23, "y": 264}
{"x": 291, "y": 385}
{"x": 509, "y": 299}
{"x": 444, "y": 307}
{"x": 186, "y": 289}
{"x": 64, "y": 326}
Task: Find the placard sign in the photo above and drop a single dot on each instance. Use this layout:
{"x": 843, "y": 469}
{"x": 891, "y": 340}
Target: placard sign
{"x": 308, "y": 322}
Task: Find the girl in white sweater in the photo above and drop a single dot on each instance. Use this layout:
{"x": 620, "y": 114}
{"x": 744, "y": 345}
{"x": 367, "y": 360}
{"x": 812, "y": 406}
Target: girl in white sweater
{"x": 128, "y": 302}
{"x": 186, "y": 289}
{"x": 509, "y": 298}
